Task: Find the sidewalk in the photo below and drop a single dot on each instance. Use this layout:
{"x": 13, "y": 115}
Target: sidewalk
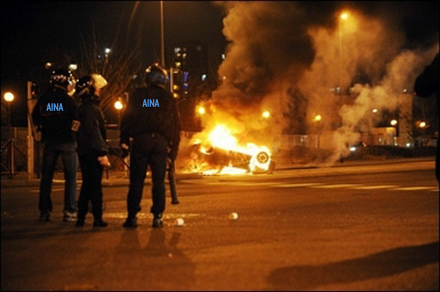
{"x": 119, "y": 178}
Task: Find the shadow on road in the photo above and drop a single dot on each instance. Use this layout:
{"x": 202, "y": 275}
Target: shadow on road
{"x": 158, "y": 264}
{"x": 382, "y": 264}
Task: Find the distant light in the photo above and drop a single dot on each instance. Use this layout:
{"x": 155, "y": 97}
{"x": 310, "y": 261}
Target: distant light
{"x": 422, "y": 125}
{"x": 107, "y": 50}
{"x": 118, "y": 105}
{"x": 9, "y": 96}
{"x": 73, "y": 67}
{"x": 203, "y": 77}
{"x": 393, "y": 122}
{"x": 201, "y": 110}
{"x": 375, "y": 110}
{"x": 223, "y": 56}
{"x": 48, "y": 65}
{"x": 344, "y": 15}
{"x": 408, "y": 145}
{"x": 405, "y": 90}
{"x": 317, "y": 118}
{"x": 352, "y": 149}
{"x": 266, "y": 114}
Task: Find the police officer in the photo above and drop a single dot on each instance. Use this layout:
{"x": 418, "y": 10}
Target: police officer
{"x": 152, "y": 120}
{"x": 56, "y": 115}
{"x": 92, "y": 147}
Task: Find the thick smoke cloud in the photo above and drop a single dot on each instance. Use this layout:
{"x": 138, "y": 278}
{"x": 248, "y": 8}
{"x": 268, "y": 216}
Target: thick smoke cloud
{"x": 286, "y": 56}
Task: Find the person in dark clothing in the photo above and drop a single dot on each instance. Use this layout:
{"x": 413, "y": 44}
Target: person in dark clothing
{"x": 427, "y": 84}
{"x": 56, "y": 115}
{"x": 152, "y": 120}
{"x": 92, "y": 148}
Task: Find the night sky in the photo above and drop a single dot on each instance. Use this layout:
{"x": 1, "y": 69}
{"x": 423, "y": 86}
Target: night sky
{"x": 29, "y": 28}
{"x": 34, "y": 32}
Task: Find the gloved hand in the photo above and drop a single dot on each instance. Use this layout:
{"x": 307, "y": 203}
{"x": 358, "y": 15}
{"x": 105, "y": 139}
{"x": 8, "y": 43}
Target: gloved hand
{"x": 103, "y": 160}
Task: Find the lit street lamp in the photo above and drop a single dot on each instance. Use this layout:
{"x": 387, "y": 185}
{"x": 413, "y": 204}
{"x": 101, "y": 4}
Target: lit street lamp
{"x": 119, "y": 106}
{"x": 201, "y": 110}
{"x": 9, "y": 98}
{"x": 342, "y": 17}
{"x": 162, "y": 37}
{"x": 317, "y": 119}
{"x": 393, "y": 123}
{"x": 422, "y": 125}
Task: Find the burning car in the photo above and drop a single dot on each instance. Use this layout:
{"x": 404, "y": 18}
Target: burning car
{"x": 220, "y": 153}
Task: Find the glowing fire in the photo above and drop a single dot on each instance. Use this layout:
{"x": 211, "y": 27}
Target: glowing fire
{"x": 221, "y": 137}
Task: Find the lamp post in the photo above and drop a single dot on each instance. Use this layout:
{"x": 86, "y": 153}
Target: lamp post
{"x": 342, "y": 17}
{"x": 9, "y": 97}
{"x": 119, "y": 106}
{"x": 162, "y": 36}
{"x": 394, "y": 123}
{"x": 317, "y": 119}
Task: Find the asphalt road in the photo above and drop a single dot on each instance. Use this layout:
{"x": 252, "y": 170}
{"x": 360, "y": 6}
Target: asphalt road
{"x": 372, "y": 227}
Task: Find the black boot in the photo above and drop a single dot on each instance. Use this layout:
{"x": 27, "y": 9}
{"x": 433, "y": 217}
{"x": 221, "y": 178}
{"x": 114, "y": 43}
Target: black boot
{"x": 131, "y": 222}
{"x": 157, "y": 220}
{"x": 99, "y": 223}
{"x": 80, "y": 222}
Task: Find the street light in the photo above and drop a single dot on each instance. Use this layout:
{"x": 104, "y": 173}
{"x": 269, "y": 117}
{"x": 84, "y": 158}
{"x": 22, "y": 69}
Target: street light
{"x": 393, "y": 123}
{"x": 317, "y": 119}
{"x": 201, "y": 110}
{"x": 266, "y": 114}
{"x": 162, "y": 37}
{"x": 9, "y": 98}
{"x": 119, "y": 106}
{"x": 343, "y": 16}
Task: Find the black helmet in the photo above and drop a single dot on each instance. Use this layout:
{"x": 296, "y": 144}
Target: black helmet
{"x": 155, "y": 74}
{"x": 84, "y": 86}
{"x": 61, "y": 77}
{"x": 88, "y": 85}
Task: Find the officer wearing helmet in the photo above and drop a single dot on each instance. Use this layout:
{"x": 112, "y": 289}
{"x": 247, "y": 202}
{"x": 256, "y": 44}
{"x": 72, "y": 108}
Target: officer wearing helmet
{"x": 56, "y": 115}
{"x": 151, "y": 124}
{"x": 92, "y": 147}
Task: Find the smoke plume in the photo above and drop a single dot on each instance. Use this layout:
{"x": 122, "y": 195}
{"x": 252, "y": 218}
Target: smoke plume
{"x": 297, "y": 59}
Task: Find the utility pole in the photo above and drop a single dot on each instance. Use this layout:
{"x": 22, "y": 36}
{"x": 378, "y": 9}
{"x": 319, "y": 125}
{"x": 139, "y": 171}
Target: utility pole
{"x": 162, "y": 37}
{"x": 30, "y": 136}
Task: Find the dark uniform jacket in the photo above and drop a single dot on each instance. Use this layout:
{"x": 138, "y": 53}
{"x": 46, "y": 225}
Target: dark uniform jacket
{"x": 56, "y": 123}
{"x": 152, "y": 109}
{"x": 92, "y": 134}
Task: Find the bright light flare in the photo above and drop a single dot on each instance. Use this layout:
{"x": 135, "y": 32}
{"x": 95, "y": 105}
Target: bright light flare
{"x": 118, "y": 105}
{"x": 344, "y": 15}
{"x": 201, "y": 110}
{"x": 9, "y": 96}
{"x": 266, "y": 114}
{"x": 317, "y": 118}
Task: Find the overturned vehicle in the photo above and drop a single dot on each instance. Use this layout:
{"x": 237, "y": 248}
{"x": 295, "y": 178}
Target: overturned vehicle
{"x": 219, "y": 154}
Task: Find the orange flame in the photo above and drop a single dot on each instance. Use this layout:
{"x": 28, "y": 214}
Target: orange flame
{"x": 222, "y": 137}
